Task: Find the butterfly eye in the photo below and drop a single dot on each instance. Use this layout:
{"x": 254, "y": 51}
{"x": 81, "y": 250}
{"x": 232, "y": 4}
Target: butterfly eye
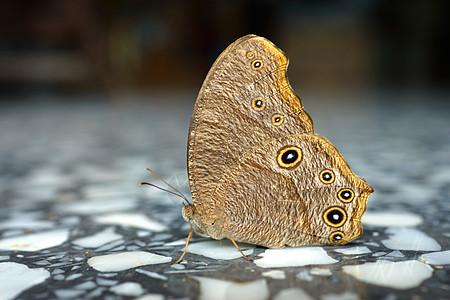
{"x": 258, "y": 103}
{"x": 326, "y": 176}
{"x": 336, "y": 238}
{"x": 335, "y": 217}
{"x": 289, "y": 157}
{"x": 250, "y": 55}
{"x": 277, "y": 119}
{"x": 346, "y": 195}
{"x": 257, "y": 64}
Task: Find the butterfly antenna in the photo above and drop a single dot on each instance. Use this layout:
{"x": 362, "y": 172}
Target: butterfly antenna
{"x": 160, "y": 188}
{"x": 176, "y": 193}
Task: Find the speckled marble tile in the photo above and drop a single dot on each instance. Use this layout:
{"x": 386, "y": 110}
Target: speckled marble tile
{"x": 74, "y": 224}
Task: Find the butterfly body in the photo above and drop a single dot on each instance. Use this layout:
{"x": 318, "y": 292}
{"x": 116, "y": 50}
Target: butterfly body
{"x": 258, "y": 173}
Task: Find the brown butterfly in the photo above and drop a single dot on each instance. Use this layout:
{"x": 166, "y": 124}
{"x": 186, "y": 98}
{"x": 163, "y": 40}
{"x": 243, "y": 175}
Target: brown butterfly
{"x": 258, "y": 173}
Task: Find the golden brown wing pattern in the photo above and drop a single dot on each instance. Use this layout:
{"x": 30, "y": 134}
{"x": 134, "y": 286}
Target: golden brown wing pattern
{"x": 294, "y": 191}
{"x": 245, "y": 100}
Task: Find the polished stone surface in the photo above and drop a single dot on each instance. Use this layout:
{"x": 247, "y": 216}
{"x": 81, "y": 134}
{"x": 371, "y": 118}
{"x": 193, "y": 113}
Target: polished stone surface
{"x": 75, "y": 224}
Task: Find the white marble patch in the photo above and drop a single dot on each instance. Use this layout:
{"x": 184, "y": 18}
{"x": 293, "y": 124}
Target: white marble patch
{"x": 68, "y": 293}
{"x": 35, "y": 241}
{"x": 132, "y": 219}
{"x": 70, "y": 221}
{"x": 140, "y": 243}
{"x": 88, "y": 285}
{"x": 59, "y": 277}
{"x": 110, "y": 245}
{"x": 437, "y": 258}
{"x": 353, "y": 250}
{"x": 98, "y": 206}
{"x": 151, "y": 274}
{"x": 95, "y": 293}
{"x": 96, "y": 240}
{"x": 133, "y": 289}
{"x": 320, "y": 272}
{"x": 343, "y": 296}
{"x": 16, "y": 278}
{"x": 391, "y": 219}
{"x": 142, "y": 233}
{"x": 223, "y": 290}
{"x": 43, "y": 262}
{"x": 125, "y": 260}
{"x": 176, "y": 243}
{"x": 178, "y": 267}
{"x": 74, "y": 276}
{"x": 151, "y": 297}
{"x": 397, "y": 275}
{"x": 410, "y": 239}
{"x": 274, "y": 274}
{"x": 223, "y": 249}
{"x": 304, "y": 275}
{"x": 106, "y": 282}
{"x": 294, "y": 257}
{"x": 292, "y": 293}
{"x": 395, "y": 253}
{"x": 190, "y": 271}
{"x": 371, "y": 244}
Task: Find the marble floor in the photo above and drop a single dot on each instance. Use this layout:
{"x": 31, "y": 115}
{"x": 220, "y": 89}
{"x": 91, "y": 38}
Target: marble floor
{"x": 74, "y": 224}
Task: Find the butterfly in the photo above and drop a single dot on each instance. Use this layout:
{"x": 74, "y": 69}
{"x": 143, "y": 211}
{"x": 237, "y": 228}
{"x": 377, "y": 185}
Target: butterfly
{"x": 258, "y": 172}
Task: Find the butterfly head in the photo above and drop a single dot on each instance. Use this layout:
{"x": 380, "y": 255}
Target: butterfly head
{"x": 211, "y": 225}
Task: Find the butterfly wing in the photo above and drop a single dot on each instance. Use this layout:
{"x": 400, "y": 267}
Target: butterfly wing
{"x": 245, "y": 100}
{"x": 294, "y": 191}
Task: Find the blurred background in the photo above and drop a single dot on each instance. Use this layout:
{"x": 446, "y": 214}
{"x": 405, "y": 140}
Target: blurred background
{"x": 102, "y": 81}
{"x": 92, "y": 92}
{"x": 104, "y": 46}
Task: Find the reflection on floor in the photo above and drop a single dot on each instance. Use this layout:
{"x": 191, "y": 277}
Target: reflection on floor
{"x": 75, "y": 224}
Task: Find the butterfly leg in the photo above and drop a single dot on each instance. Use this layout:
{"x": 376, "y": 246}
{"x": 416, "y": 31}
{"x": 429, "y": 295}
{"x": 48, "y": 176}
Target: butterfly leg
{"x": 185, "y": 249}
{"x": 200, "y": 233}
{"x": 234, "y": 243}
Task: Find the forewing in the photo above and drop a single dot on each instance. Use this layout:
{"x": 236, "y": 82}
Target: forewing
{"x": 227, "y": 120}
